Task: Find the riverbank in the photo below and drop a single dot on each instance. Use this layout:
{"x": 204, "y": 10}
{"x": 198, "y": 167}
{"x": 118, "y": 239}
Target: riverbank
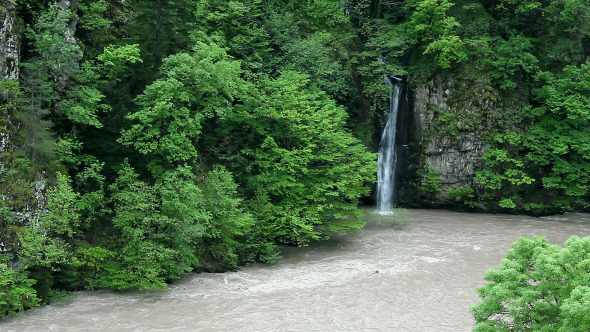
{"x": 417, "y": 275}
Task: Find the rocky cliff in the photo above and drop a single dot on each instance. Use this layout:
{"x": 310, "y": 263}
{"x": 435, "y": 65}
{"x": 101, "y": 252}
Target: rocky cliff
{"x": 23, "y": 196}
{"x": 452, "y": 119}
{"x": 9, "y": 59}
{"x": 9, "y": 41}
{"x": 9, "y": 70}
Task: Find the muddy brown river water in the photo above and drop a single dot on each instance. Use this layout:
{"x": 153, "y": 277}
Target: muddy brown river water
{"x": 418, "y": 275}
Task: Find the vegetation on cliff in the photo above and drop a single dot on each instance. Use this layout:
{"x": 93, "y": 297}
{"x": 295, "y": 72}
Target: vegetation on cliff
{"x": 148, "y": 139}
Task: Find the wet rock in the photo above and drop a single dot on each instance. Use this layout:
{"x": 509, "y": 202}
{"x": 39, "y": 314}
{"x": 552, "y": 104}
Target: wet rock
{"x": 452, "y": 115}
{"x": 9, "y": 41}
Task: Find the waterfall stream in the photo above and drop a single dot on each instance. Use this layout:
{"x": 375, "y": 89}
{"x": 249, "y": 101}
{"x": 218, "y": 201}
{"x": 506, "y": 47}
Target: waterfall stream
{"x": 387, "y": 152}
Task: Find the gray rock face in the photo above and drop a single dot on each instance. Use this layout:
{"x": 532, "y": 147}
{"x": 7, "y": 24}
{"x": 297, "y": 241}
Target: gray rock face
{"x": 11, "y": 29}
{"x": 457, "y": 162}
{"x": 9, "y": 69}
{"x": 9, "y": 57}
{"x": 62, "y": 72}
{"x": 450, "y": 117}
{"x": 9, "y": 41}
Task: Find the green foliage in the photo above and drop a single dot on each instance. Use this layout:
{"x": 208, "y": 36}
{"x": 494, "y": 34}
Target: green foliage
{"x": 102, "y": 23}
{"x": 182, "y": 207}
{"x": 430, "y": 183}
{"x": 448, "y": 49}
{"x": 108, "y": 224}
{"x": 48, "y": 243}
{"x": 47, "y": 73}
{"x": 62, "y": 217}
{"x": 538, "y": 287}
{"x": 558, "y": 139}
{"x": 513, "y": 171}
{"x": 430, "y": 18}
{"x": 90, "y": 182}
{"x": 304, "y": 169}
{"x": 446, "y": 122}
{"x": 115, "y": 59}
{"x": 16, "y": 292}
{"x": 195, "y": 87}
{"x": 93, "y": 17}
{"x": 84, "y": 105}
{"x": 504, "y": 175}
{"x": 142, "y": 261}
{"x": 233, "y": 115}
{"x": 57, "y": 54}
{"x": 236, "y": 25}
{"x": 95, "y": 267}
{"x": 552, "y": 153}
{"x": 86, "y": 100}
{"x": 18, "y": 173}
{"x": 431, "y": 24}
{"x": 6, "y": 220}
{"x": 227, "y": 225}
{"x": 161, "y": 28}
{"x": 507, "y": 203}
{"x": 463, "y": 195}
{"x": 157, "y": 225}
{"x": 568, "y": 24}
{"x": 314, "y": 56}
{"x": 513, "y": 61}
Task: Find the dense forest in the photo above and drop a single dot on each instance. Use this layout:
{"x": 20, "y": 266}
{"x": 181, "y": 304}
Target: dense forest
{"x": 145, "y": 139}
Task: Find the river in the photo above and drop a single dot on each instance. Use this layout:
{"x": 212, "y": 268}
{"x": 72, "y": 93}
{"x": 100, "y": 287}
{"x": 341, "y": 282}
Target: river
{"x": 417, "y": 274}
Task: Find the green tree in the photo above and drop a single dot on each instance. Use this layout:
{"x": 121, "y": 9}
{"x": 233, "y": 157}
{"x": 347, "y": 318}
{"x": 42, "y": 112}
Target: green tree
{"x": 315, "y": 57}
{"x": 48, "y": 243}
{"x": 228, "y": 226}
{"x": 545, "y": 166}
{"x": 194, "y": 87}
{"x": 142, "y": 260}
{"x": 513, "y": 62}
{"x": 56, "y": 58}
{"x": 102, "y": 23}
{"x": 16, "y": 291}
{"x": 303, "y": 170}
{"x": 538, "y": 287}
{"x": 558, "y": 141}
{"x": 431, "y": 25}
{"x": 157, "y": 227}
{"x": 161, "y": 28}
{"x": 238, "y": 26}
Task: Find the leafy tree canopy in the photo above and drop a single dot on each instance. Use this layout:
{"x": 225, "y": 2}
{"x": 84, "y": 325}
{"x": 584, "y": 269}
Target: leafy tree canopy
{"x": 538, "y": 287}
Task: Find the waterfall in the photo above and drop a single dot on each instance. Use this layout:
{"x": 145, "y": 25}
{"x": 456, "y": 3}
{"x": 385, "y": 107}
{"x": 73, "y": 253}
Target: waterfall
{"x": 387, "y": 154}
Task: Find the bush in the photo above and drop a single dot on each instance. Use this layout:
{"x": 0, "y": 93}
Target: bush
{"x": 16, "y": 292}
{"x": 464, "y": 195}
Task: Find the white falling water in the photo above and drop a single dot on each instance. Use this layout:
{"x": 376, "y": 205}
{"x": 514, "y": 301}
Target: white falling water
{"x": 387, "y": 154}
